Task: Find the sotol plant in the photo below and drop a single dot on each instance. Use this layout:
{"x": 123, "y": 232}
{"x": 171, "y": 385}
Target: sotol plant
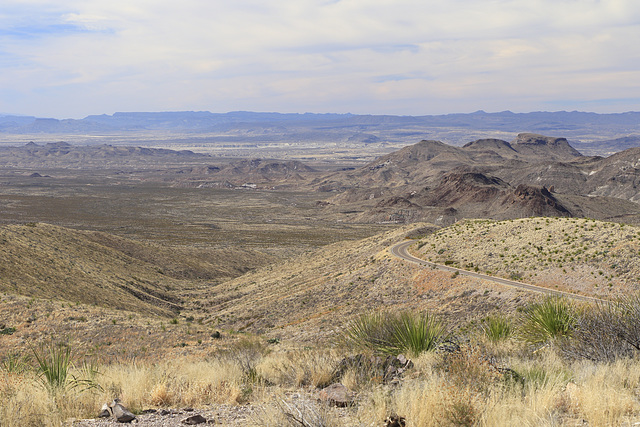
{"x": 554, "y": 317}
{"x": 394, "y": 333}
{"x": 497, "y": 328}
{"x": 53, "y": 365}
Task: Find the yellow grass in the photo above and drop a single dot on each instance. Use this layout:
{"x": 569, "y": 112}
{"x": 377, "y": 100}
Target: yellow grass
{"x": 555, "y": 392}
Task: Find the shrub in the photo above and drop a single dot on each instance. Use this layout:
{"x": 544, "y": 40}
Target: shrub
{"x": 497, "y": 328}
{"x": 246, "y": 353}
{"x": 7, "y": 331}
{"x": 607, "y": 332}
{"x": 551, "y": 318}
{"x": 394, "y": 333}
{"x": 295, "y": 413}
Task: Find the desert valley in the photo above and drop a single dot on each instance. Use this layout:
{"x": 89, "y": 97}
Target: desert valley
{"x": 243, "y": 272}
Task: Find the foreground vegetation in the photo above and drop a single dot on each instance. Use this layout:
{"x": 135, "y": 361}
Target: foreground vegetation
{"x": 547, "y": 370}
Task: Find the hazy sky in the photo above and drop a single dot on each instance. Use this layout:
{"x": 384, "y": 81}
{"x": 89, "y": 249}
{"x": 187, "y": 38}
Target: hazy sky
{"x": 71, "y": 58}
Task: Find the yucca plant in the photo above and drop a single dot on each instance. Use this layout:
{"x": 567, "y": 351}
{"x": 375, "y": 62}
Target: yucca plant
{"x": 53, "y": 365}
{"x": 369, "y": 331}
{"x": 417, "y": 333}
{"x": 394, "y": 333}
{"x": 554, "y": 317}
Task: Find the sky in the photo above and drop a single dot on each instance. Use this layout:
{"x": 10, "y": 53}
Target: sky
{"x": 73, "y": 58}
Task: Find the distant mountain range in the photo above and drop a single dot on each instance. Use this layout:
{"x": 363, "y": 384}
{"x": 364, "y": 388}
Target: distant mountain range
{"x": 590, "y": 133}
{"x": 203, "y": 121}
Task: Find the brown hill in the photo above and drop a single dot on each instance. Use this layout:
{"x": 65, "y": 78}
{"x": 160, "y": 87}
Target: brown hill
{"x": 46, "y": 261}
{"x": 491, "y": 150}
{"x": 546, "y": 148}
{"x": 469, "y": 193}
{"x": 65, "y": 155}
{"x": 616, "y": 176}
{"x": 570, "y": 254}
{"x": 489, "y": 178}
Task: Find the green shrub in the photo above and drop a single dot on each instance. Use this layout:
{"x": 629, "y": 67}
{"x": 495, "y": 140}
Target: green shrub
{"x": 7, "y": 331}
{"x": 395, "y": 333}
{"x": 497, "y": 328}
{"x": 554, "y": 317}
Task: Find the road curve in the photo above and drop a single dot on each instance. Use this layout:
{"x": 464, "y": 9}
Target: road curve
{"x": 400, "y": 250}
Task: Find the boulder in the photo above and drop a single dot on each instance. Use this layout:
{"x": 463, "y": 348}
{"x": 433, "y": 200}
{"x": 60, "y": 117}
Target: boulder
{"x": 394, "y": 367}
{"x": 337, "y": 395}
{"x": 120, "y": 413}
{"x": 105, "y": 411}
{"x": 194, "y": 419}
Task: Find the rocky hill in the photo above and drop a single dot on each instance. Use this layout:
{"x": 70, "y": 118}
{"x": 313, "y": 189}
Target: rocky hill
{"x": 532, "y": 175}
{"x": 253, "y": 173}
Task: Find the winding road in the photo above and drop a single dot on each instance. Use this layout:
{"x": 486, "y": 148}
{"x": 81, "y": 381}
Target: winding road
{"x": 400, "y": 250}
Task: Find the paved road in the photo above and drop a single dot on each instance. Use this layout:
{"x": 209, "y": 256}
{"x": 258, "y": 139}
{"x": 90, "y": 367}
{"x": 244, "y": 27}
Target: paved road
{"x": 400, "y": 250}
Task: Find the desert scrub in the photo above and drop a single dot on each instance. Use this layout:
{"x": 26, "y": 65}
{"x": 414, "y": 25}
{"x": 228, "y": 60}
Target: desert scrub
{"x": 513, "y": 249}
{"x": 299, "y": 367}
{"x": 551, "y": 318}
{"x": 395, "y": 333}
{"x": 497, "y": 328}
{"x": 247, "y": 354}
{"x": 606, "y": 332}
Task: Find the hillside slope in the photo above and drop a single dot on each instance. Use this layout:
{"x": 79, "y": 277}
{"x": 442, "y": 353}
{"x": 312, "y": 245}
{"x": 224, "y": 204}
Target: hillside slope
{"x": 309, "y": 297}
{"x": 46, "y": 261}
{"x": 577, "y": 255}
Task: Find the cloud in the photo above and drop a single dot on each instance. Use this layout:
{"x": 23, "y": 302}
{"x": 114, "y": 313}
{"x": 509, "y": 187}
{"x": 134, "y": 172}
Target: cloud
{"x": 78, "y": 57}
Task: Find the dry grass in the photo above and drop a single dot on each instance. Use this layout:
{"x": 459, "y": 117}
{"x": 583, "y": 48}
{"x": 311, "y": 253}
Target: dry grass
{"x": 299, "y": 368}
{"x": 459, "y": 389}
